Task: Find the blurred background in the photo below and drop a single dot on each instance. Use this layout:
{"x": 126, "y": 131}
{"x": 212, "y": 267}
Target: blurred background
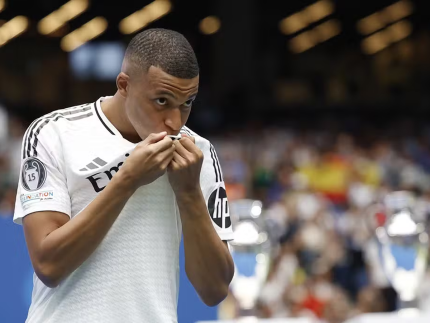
{"x": 316, "y": 109}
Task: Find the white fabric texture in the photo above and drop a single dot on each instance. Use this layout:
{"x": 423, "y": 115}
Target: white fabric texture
{"x": 133, "y": 276}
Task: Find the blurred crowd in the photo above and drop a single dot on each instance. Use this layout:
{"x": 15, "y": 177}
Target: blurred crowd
{"x": 318, "y": 190}
{"x": 11, "y": 132}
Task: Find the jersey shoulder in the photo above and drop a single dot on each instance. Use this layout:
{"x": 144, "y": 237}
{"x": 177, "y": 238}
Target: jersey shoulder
{"x": 66, "y": 115}
{"x": 48, "y": 127}
{"x": 211, "y": 168}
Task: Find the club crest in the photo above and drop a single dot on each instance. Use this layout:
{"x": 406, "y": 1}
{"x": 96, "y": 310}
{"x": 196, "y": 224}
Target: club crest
{"x": 33, "y": 174}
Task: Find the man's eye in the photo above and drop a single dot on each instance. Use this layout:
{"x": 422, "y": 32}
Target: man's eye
{"x": 161, "y": 101}
{"x": 189, "y": 103}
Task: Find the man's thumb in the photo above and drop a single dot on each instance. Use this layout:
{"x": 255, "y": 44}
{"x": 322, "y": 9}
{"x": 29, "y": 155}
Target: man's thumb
{"x": 155, "y": 137}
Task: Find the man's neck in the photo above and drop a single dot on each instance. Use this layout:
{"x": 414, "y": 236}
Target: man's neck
{"x": 114, "y": 110}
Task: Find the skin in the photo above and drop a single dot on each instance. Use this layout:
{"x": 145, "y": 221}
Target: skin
{"x": 147, "y": 106}
{"x": 150, "y": 102}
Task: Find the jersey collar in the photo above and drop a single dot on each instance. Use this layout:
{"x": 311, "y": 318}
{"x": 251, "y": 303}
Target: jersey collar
{"x": 103, "y": 119}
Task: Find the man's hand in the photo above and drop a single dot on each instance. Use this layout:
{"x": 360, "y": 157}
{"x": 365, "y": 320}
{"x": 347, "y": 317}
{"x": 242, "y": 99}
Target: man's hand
{"x": 184, "y": 169}
{"x": 208, "y": 262}
{"x": 149, "y": 160}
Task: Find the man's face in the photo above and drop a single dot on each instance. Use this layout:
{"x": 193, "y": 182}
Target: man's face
{"x": 157, "y": 102}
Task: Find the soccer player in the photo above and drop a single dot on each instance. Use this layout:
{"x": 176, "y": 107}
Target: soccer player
{"x": 105, "y": 195}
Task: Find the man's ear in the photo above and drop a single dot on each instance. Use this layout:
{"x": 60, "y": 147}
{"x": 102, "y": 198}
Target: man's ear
{"x": 122, "y": 83}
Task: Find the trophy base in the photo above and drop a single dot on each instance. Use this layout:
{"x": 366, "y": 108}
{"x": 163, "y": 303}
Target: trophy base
{"x": 408, "y": 305}
{"x": 409, "y": 309}
{"x": 244, "y": 313}
{"x": 388, "y": 318}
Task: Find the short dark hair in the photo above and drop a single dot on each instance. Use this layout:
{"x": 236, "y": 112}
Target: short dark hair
{"x": 163, "y": 48}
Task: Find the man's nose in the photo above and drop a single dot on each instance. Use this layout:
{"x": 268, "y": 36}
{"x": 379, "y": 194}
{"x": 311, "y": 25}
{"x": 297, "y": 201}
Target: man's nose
{"x": 173, "y": 120}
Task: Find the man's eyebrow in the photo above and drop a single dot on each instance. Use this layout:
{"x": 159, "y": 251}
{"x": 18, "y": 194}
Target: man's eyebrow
{"x": 170, "y": 94}
{"x": 162, "y": 92}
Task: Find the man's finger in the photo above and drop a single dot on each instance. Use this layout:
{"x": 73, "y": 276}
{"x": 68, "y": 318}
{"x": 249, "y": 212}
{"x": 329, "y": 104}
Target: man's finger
{"x": 184, "y": 135}
{"x": 163, "y": 144}
{"x": 155, "y": 137}
{"x": 173, "y": 166}
{"x": 181, "y": 150}
{"x": 167, "y": 154}
{"x": 168, "y": 158}
{"x": 179, "y": 159}
{"x": 189, "y": 144}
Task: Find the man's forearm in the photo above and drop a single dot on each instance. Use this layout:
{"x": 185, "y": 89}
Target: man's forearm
{"x": 67, "y": 247}
{"x": 208, "y": 262}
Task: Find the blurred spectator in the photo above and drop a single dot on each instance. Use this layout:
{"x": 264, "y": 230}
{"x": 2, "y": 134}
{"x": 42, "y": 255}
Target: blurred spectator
{"x": 3, "y": 124}
{"x": 10, "y": 162}
{"x": 317, "y": 188}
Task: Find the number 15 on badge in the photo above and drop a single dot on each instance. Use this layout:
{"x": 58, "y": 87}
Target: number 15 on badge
{"x": 33, "y": 174}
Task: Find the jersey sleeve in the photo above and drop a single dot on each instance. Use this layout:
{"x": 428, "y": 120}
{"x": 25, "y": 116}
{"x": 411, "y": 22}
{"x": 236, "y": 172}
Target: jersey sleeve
{"x": 42, "y": 185}
{"x": 213, "y": 188}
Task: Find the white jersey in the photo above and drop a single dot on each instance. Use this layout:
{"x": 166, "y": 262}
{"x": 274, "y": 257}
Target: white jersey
{"x": 68, "y": 157}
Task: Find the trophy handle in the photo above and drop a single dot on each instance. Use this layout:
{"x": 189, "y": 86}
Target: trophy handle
{"x": 35, "y": 165}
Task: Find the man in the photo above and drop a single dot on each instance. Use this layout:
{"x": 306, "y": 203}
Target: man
{"x": 103, "y": 211}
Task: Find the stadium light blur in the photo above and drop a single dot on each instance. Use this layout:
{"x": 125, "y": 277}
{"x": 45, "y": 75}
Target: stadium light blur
{"x": 319, "y": 10}
{"x": 13, "y": 28}
{"x": 210, "y": 25}
{"x": 398, "y": 11}
{"x": 375, "y": 43}
{"x": 370, "y": 24}
{"x": 386, "y": 37}
{"x": 293, "y": 23}
{"x": 61, "y": 16}
{"x": 327, "y": 30}
{"x": 85, "y": 33}
{"x": 317, "y": 35}
{"x": 2, "y": 5}
{"x": 141, "y": 18}
{"x": 399, "y": 31}
{"x": 303, "y": 42}
{"x": 382, "y": 18}
{"x": 305, "y": 17}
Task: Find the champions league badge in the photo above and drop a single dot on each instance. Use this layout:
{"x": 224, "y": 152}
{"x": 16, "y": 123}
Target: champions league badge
{"x": 33, "y": 174}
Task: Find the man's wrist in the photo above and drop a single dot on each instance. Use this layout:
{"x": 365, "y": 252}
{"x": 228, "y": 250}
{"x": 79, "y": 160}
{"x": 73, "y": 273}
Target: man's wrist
{"x": 124, "y": 183}
{"x": 192, "y": 205}
{"x": 189, "y": 194}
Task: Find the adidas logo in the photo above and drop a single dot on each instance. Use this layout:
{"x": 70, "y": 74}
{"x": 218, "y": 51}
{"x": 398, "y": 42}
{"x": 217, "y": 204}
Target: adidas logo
{"x": 96, "y": 163}
{"x": 99, "y": 180}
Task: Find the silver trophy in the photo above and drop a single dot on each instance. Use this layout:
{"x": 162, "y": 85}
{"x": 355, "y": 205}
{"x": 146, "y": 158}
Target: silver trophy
{"x": 403, "y": 245}
{"x": 250, "y": 250}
